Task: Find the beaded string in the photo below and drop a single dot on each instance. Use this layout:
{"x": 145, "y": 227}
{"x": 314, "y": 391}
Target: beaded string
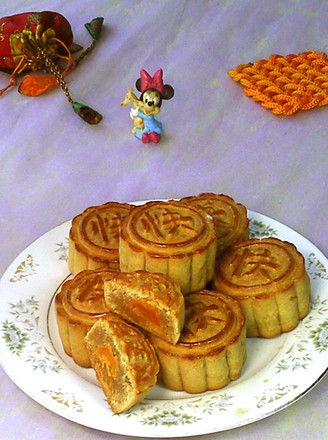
{"x": 54, "y": 70}
{"x": 286, "y": 84}
{"x": 88, "y": 114}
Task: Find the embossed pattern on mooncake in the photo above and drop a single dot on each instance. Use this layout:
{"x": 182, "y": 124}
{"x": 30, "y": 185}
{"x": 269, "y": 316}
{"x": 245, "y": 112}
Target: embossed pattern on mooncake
{"x": 170, "y": 238}
{"x": 94, "y": 235}
{"x": 230, "y": 218}
{"x": 79, "y": 304}
{"x": 269, "y": 279}
{"x": 212, "y": 347}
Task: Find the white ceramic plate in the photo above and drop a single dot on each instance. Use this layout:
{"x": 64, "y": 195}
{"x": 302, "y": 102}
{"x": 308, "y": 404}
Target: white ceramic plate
{"x": 277, "y": 373}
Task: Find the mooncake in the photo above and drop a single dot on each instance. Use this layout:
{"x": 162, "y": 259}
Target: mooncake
{"x": 79, "y": 304}
{"x": 230, "y": 218}
{"x": 150, "y": 300}
{"x": 125, "y": 363}
{"x": 268, "y": 277}
{"x": 93, "y": 237}
{"x": 170, "y": 238}
{"x": 211, "y": 350}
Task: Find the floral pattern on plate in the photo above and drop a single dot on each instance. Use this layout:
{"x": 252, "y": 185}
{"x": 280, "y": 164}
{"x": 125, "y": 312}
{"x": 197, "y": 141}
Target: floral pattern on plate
{"x": 293, "y": 363}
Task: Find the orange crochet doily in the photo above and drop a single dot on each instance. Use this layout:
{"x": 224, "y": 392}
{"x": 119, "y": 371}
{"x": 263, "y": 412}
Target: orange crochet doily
{"x": 285, "y": 84}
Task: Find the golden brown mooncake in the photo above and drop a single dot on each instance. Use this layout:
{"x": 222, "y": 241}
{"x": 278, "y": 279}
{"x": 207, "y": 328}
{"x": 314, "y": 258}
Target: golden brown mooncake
{"x": 212, "y": 347}
{"x": 125, "y": 363}
{"x": 230, "y": 218}
{"x": 268, "y": 277}
{"x": 170, "y": 238}
{"x": 79, "y": 304}
{"x": 93, "y": 237}
{"x": 150, "y": 300}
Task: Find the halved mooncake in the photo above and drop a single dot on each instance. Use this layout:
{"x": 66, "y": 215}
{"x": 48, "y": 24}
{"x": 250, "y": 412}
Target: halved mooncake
{"x": 125, "y": 363}
{"x": 268, "y": 277}
{"x": 150, "y": 300}
{"x": 79, "y": 304}
{"x": 93, "y": 237}
{"x": 230, "y": 218}
{"x": 212, "y": 347}
{"x": 170, "y": 238}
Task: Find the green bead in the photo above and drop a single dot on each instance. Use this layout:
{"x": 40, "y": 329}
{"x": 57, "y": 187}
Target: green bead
{"x": 94, "y": 27}
{"x": 87, "y": 113}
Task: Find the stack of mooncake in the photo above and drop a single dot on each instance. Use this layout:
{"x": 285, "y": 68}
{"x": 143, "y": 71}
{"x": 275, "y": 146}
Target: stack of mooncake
{"x": 182, "y": 281}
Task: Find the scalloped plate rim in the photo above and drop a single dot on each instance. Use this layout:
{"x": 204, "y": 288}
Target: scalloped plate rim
{"x": 131, "y": 421}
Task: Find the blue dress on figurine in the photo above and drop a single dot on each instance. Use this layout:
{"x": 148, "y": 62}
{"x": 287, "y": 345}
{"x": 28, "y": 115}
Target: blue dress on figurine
{"x": 151, "y": 125}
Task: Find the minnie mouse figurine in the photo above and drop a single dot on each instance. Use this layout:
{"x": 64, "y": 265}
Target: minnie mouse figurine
{"x": 153, "y": 91}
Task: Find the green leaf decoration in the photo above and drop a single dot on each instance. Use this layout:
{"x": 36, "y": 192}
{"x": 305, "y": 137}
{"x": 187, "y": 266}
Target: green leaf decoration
{"x": 24, "y": 270}
{"x": 24, "y": 339}
{"x": 64, "y": 399}
{"x": 320, "y": 336}
{"x": 316, "y": 268}
{"x": 260, "y": 230}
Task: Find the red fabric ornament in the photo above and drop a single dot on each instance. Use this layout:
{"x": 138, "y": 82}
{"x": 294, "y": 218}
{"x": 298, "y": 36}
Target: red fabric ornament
{"x": 35, "y": 41}
{"x": 15, "y": 24}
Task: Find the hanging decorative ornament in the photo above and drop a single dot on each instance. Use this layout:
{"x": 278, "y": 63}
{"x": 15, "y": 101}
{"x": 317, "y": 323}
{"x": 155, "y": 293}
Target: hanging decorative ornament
{"x": 37, "y": 41}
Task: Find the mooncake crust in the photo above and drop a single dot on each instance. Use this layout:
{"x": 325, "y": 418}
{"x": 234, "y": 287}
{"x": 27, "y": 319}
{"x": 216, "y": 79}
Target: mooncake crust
{"x": 125, "y": 363}
{"x": 79, "y": 304}
{"x": 269, "y": 279}
{"x": 150, "y": 300}
{"x": 94, "y": 236}
{"x": 211, "y": 350}
{"x": 230, "y": 218}
{"x": 170, "y": 238}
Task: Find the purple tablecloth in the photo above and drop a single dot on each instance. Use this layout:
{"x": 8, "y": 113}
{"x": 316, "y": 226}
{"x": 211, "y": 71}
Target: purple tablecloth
{"x": 215, "y": 139}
